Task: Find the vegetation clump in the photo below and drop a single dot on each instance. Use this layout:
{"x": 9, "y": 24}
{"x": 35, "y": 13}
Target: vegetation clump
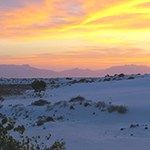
{"x": 115, "y": 108}
{"x": 101, "y": 105}
{"x": 38, "y": 86}
{"x": 43, "y": 120}
{"x": 77, "y": 99}
{"x": 72, "y": 107}
{"x": 7, "y": 142}
{"x": 40, "y": 102}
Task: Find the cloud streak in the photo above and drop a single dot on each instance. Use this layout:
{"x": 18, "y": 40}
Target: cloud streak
{"x": 42, "y": 17}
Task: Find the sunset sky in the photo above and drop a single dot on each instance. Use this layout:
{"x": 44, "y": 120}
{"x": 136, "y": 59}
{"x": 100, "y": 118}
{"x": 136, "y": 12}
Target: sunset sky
{"x": 64, "y": 34}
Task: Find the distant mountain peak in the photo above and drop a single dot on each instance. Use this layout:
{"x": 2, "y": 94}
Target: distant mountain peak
{"x": 27, "y": 71}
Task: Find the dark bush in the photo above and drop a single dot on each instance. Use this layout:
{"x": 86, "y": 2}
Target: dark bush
{"x": 134, "y": 125}
{"x": 130, "y": 78}
{"x": 86, "y": 104}
{"x": 121, "y": 75}
{"x": 58, "y": 145}
{"x": 77, "y": 99}
{"x": 40, "y": 122}
{"x": 4, "y": 120}
{"x": 48, "y": 119}
{"x": 107, "y": 79}
{"x": 100, "y": 105}
{"x": 72, "y": 107}
{"x": 7, "y": 142}
{"x": 114, "y": 108}
{"x": 122, "y": 109}
{"x": 20, "y": 129}
{"x": 38, "y": 86}
{"x": 40, "y": 103}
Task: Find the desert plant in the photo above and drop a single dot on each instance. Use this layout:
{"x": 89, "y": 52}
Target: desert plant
{"x": 58, "y": 145}
{"x": 7, "y": 142}
{"x": 72, "y": 107}
{"x": 40, "y": 102}
{"x": 111, "y": 108}
{"x": 130, "y": 78}
{"x": 115, "y": 108}
{"x": 121, "y": 75}
{"x": 1, "y": 100}
{"x": 100, "y": 104}
{"x": 86, "y": 104}
{"x": 122, "y": 109}
{"x": 38, "y": 86}
{"x": 77, "y": 99}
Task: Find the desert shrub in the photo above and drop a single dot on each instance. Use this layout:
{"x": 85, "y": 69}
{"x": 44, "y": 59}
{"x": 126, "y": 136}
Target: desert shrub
{"x": 107, "y": 79}
{"x": 9, "y": 127}
{"x": 7, "y": 142}
{"x": 121, "y": 75}
{"x": 49, "y": 118}
{"x": 60, "y": 118}
{"x": 20, "y": 129}
{"x": 68, "y": 78}
{"x": 130, "y": 78}
{"x": 40, "y": 102}
{"x": 115, "y": 108}
{"x": 72, "y": 107}
{"x": 40, "y": 122}
{"x": 122, "y": 109}
{"x": 112, "y": 108}
{"x": 1, "y": 100}
{"x": 134, "y": 125}
{"x": 100, "y": 105}
{"x": 114, "y": 78}
{"x": 38, "y": 87}
{"x": 85, "y": 80}
{"x": 77, "y": 99}
{"x": 43, "y": 120}
{"x": 4, "y": 120}
{"x": 58, "y": 145}
{"x": 86, "y": 104}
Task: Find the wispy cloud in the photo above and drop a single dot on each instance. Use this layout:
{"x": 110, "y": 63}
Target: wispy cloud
{"x": 42, "y": 17}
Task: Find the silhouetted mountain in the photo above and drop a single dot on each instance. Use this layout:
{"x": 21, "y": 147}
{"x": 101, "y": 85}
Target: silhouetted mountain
{"x": 76, "y": 72}
{"x": 26, "y": 71}
{"x": 128, "y": 69}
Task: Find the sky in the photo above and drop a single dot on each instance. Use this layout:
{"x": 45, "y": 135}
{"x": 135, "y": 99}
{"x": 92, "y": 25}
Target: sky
{"x": 64, "y": 34}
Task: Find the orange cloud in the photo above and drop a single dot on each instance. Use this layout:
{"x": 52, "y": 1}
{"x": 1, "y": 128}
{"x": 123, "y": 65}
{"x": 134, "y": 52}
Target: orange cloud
{"x": 57, "y": 16}
{"x": 86, "y": 57}
{"x": 144, "y": 5}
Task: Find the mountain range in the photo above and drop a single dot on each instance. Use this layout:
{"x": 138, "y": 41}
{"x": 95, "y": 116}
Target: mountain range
{"x": 27, "y": 71}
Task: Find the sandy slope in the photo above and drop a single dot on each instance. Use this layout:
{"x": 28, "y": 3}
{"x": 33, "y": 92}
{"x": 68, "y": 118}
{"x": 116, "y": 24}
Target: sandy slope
{"x": 89, "y": 128}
